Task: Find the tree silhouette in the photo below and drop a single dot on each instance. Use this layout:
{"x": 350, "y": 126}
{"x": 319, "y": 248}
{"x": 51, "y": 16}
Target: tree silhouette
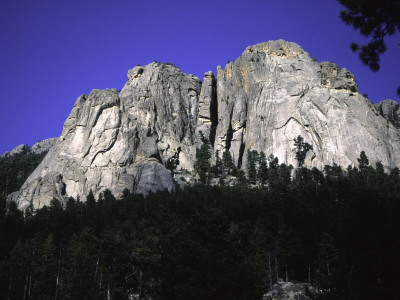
{"x": 374, "y": 19}
{"x": 301, "y": 149}
{"x": 203, "y": 159}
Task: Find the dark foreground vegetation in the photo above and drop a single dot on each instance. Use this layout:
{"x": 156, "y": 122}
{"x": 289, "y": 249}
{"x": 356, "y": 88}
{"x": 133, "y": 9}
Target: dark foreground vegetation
{"x": 15, "y": 169}
{"x": 337, "y": 229}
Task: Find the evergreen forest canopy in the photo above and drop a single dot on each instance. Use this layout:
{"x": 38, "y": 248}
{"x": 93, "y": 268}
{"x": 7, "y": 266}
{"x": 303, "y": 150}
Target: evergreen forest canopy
{"x": 16, "y": 168}
{"x": 336, "y": 229}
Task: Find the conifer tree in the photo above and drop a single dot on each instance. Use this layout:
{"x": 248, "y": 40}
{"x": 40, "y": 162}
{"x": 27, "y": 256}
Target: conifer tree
{"x": 173, "y": 162}
{"x": 376, "y": 20}
{"x": 203, "y": 159}
{"x": 301, "y": 149}
{"x": 273, "y": 171}
{"x": 228, "y": 167}
{"x": 216, "y": 169}
{"x": 252, "y": 157}
{"x": 263, "y": 168}
{"x": 363, "y": 162}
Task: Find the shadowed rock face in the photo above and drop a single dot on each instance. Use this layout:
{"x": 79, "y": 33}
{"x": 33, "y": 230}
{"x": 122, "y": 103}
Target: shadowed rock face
{"x": 264, "y": 99}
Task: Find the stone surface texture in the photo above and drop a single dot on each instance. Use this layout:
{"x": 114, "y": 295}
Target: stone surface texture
{"x": 389, "y": 109}
{"x": 121, "y": 140}
{"x": 264, "y": 99}
{"x": 274, "y": 92}
{"x": 44, "y": 146}
{"x": 207, "y": 110}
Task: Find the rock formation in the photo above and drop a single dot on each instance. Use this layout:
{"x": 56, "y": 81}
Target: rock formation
{"x": 119, "y": 141}
{"x": 264, "y": 99}
{"x": 37, "y": 148}
{"x": 390, "y": 110}
{"x": 274, "y": 92}
{"x": 44, "y": 146}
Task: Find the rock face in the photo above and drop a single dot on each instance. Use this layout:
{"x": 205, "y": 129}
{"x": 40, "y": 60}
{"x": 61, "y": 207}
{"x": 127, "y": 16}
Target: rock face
{"x": 117, "y": 141}
{"x": 274, "y": 92}
{"x": 264, "y": 99}
{"x": 207, "y": 118}
{"x": 390, "y": 110}
{"x": 44, "y": 146}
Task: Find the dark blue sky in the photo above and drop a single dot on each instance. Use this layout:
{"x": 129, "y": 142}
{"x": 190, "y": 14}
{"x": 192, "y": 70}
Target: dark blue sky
{"x": 53, "y": 51}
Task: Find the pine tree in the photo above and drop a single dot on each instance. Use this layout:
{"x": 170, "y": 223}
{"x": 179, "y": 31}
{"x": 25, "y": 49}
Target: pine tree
{"x": 228, "y": 167}
{"x": 173, "y": 162}
{"x": 263, "y": 168}
{"x": 216, "y": 169}
{"x": 252, "y": 157}
{"x": 241, "y": 177}
{"x": 273, "y": 168}
{"x": 203, "y": 159}
{"x": 301, "y": 149}
{"x": 363, "y": 162}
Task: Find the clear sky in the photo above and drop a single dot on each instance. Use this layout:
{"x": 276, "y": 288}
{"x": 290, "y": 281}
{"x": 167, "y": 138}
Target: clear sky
{"x": 53, "y": 51}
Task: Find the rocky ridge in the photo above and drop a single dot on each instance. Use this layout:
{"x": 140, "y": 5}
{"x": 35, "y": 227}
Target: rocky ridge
{"x": 37, "y": 148}
{"x": 264, "y": 99}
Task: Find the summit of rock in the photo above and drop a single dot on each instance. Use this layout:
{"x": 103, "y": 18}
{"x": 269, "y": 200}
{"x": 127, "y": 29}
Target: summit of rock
{"x": 38, "y": 148}
{"x": 261, "y": 101}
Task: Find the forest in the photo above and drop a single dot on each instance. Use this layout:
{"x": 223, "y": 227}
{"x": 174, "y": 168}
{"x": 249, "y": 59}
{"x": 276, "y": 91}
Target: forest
{"x": 336, "y": 230}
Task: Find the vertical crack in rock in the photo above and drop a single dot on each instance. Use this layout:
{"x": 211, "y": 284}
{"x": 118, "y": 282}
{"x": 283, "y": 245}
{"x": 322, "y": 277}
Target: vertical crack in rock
{"x": 241, "y": 153}
{"x": 213, "y": 112}
{"x": 229, "y": 133}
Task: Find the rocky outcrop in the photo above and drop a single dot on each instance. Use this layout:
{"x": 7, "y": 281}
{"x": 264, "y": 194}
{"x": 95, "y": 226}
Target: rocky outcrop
{"x": 38, "y": 148}
{"x": 17, "y": 150}
{"x": 390, "y": 110}
{"x": 264, "y": 99}
{"x": 274, "y": 92}
{"x": 121, "y": 140}
{"x": 44, "y": 146}
{"x": 207, "y": 118}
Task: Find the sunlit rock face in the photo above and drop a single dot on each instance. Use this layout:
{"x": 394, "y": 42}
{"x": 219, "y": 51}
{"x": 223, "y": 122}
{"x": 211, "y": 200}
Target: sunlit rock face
{"x": 264, "y": 99}
{"x": 274, "y": 92}
{"x": 121, "y": 140}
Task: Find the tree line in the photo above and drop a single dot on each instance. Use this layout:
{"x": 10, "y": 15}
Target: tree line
{"x": 336, "y": 229}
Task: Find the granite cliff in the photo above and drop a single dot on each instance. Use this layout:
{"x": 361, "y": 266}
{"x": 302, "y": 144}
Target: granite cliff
{"x": 261, "y": 101}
